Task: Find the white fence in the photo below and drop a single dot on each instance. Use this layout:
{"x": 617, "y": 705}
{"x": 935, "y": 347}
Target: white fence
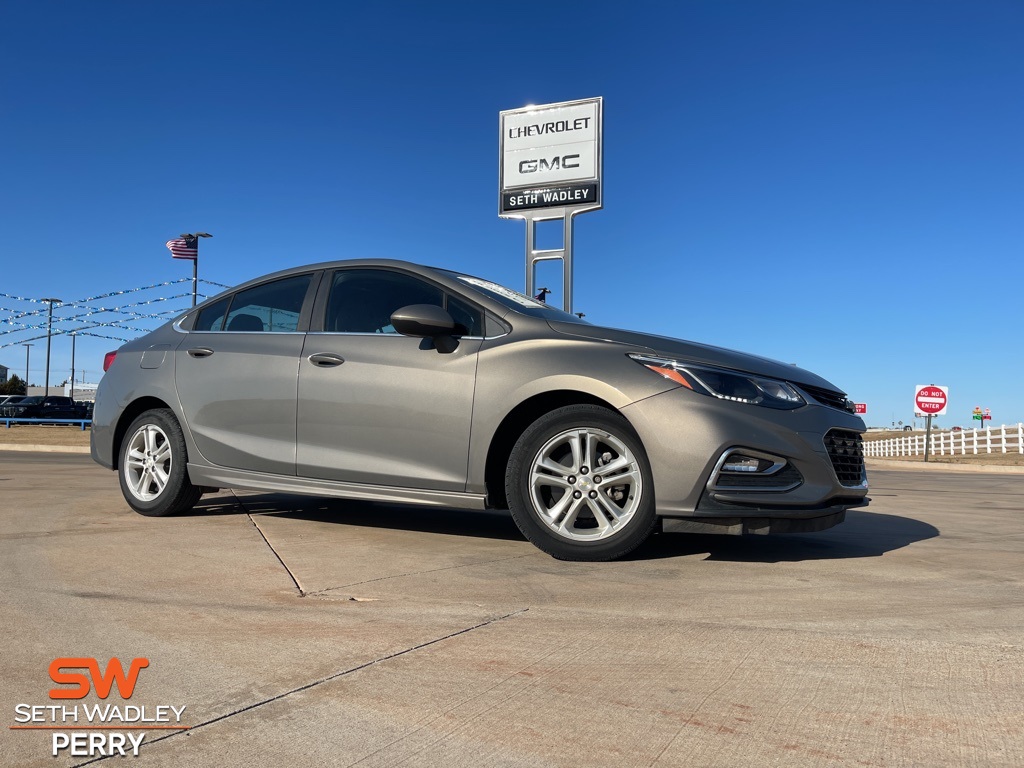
{"x": 1004, "y": 439}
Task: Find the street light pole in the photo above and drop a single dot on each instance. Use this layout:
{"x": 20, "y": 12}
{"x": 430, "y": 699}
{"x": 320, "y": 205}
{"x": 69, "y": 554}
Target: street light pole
{"x": 27, "y": 350}
{"x": 49, "y": 331}
{"x": 73, "y": 337}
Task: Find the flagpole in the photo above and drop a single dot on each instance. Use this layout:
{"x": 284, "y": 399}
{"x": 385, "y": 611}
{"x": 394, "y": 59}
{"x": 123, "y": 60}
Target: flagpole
{"x": 185, "y": 244}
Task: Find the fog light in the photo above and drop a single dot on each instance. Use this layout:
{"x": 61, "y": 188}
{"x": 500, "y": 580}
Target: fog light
{"x": 740, "y": 463}
{"x": 744, "y": 470}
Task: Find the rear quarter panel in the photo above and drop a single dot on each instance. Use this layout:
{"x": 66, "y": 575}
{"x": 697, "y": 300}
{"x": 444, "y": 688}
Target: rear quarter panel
{"x": 127, "y": 382}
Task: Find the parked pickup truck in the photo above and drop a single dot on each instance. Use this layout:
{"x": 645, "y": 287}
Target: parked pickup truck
{"x": 51, "y": 407}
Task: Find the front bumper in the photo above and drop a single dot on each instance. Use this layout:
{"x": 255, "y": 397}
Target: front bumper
{"x": 687, "y": 434}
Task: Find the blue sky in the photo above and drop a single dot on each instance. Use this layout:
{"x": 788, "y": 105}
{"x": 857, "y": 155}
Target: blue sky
{"x": 839, "y": 185}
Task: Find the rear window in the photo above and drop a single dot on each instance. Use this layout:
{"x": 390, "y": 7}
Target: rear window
{"x": 273, "y": 307}
{"x": 211, "y": 318}
{"x": 269, "y": 308}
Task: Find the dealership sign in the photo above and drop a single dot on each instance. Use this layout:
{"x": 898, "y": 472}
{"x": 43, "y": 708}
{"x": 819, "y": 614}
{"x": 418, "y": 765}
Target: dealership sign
{"x": 550, "y": 157}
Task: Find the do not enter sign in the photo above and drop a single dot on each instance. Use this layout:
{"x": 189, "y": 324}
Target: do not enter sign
{"x": 930, "y": 400}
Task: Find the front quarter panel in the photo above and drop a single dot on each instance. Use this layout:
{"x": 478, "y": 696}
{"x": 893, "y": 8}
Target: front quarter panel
{"x": 513, "y": 370}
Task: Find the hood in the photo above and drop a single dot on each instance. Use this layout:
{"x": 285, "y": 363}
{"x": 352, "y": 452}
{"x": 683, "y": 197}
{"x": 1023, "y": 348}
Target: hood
{"x": 698, "y": 353}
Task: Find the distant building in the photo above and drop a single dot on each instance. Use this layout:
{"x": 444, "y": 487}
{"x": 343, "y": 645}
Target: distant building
{"x": 83, "y": 390}
{"x": 3, "y": 374}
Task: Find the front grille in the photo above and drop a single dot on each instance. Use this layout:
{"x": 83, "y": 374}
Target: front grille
{"x": 829, "y": 397}
{"x": 846, "y": 450}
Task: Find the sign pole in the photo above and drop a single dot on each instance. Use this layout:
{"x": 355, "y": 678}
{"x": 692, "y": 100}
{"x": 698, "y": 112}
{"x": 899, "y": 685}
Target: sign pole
{"x": 567, "y": 236}
{"x": 927, "y": 435}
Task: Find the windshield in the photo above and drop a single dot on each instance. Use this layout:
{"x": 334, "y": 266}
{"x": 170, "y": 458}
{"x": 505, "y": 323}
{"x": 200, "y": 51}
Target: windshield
{"x": 34, "y": 400}
{"x": 515, "y": 300}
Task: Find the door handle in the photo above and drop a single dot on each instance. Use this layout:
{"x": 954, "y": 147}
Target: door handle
{"x": 200, "y": 352}
{"x": 325, "y": 360}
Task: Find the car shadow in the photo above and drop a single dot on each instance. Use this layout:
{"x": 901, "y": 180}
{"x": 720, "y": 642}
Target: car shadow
{"x": 211, "y": 506}
{"x": 863, "y": 534}
{"x": 484, "y": 524}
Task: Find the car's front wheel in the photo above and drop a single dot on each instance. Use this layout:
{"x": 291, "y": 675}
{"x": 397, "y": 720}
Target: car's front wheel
{"x": 152, "y": 470}
{"x": 579, "y": 484}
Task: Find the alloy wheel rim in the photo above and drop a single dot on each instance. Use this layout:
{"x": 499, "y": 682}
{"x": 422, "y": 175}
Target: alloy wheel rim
{"x": 585, "y": 484}
{"x": 148, "y": 462}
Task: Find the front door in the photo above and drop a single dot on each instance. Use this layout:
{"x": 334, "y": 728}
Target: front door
{"x": 381, "y": 408}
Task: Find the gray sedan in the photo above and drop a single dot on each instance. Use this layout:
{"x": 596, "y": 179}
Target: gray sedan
{"x": 391, "y": 381}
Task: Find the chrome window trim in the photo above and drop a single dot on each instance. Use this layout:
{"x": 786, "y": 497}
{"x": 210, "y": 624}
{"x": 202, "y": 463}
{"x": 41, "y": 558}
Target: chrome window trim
{"x": 253, "y": 333}
{"x": 395, "y": 335}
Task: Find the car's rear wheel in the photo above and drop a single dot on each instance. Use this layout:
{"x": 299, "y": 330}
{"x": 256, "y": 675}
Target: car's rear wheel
{"x": 152, "y": 470}
{"x": 579, "y": 484}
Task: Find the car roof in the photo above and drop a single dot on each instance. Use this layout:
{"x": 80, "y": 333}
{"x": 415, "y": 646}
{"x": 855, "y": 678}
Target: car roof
{"x": 340, "y": 263}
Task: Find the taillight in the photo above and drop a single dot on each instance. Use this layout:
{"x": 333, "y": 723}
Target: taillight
{"x": 108, "y": 360}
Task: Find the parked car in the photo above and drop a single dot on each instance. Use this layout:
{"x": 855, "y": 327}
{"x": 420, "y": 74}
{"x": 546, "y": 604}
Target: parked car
{"x": 42, "y": 408}
{"x": 390, "y": 381}
{"x": 9, "y": 400}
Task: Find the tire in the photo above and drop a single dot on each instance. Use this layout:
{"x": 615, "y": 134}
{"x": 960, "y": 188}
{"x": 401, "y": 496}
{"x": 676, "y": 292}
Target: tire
{"x": 562, "y": 503}
{"x": 152, "y": 469}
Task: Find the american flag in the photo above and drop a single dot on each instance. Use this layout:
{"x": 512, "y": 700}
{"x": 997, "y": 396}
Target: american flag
{"x": 184, "y": 247}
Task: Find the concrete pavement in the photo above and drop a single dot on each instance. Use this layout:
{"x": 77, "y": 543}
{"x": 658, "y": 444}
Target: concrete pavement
{"x": 303, "y": 631}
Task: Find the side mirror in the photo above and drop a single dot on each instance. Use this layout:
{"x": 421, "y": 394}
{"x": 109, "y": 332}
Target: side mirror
{"x": 422, "y": 320}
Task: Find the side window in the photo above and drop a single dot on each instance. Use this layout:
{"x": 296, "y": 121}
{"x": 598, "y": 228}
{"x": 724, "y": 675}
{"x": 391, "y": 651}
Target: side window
{"x": 212, "y": 317}
{"x": 271, "y": 307}
{"x": 362, "y": 300}
{"x": 468, "y": 319}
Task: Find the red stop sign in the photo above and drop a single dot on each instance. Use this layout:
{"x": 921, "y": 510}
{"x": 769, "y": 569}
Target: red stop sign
{"x": 930, "y": 400}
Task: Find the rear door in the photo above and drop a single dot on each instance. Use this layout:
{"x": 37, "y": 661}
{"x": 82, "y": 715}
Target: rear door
{"x": 375, "y": 406}
{"x": 236, "y": 374}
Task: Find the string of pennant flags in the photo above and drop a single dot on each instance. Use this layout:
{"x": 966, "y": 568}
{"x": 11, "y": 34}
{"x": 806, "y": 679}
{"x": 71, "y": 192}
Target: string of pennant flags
{"x": 19, "y": 322}
{"x": 114, "y": 293}
{"x": 99, "y": 310}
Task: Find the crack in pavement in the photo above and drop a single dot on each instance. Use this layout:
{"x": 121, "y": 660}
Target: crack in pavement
{"x": 321, "y": 681}
{"x": 303, "y": 593}
{"x": 295, "y": 581}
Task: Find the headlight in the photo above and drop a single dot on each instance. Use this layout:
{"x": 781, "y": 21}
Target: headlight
{"x": 724, "y": 384}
